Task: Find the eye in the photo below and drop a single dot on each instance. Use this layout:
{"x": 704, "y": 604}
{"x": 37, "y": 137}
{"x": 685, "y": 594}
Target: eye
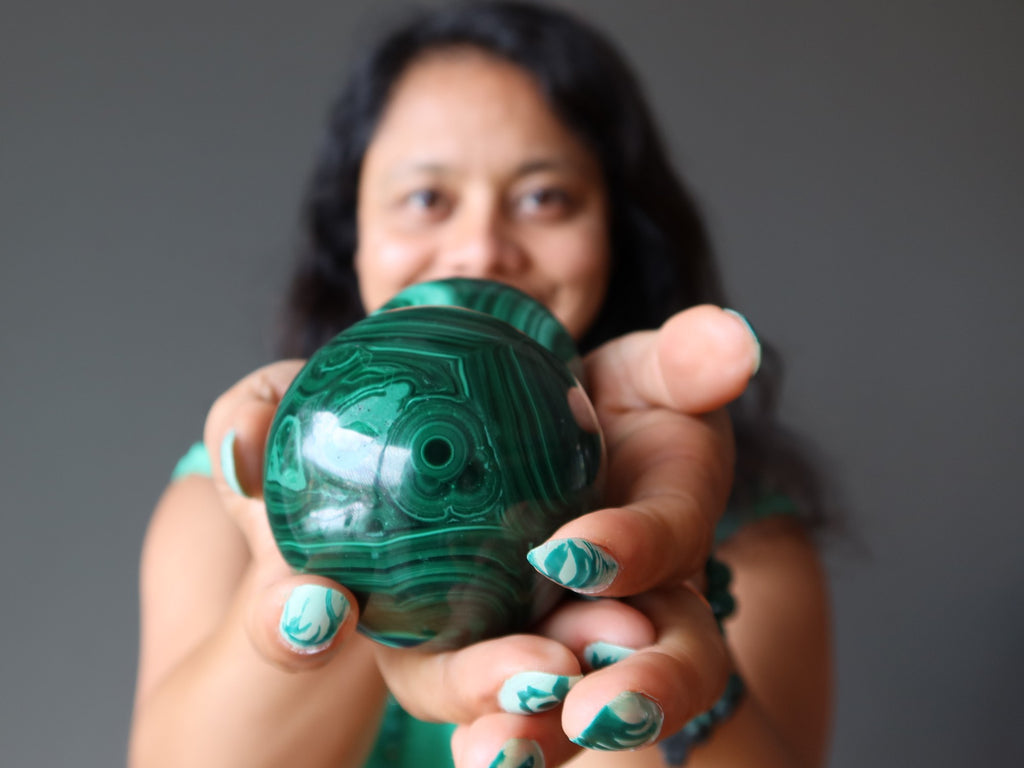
{"x": 429, "y": 202}
{"x": 424, "y": 198}
{"x": 546, "y": 203}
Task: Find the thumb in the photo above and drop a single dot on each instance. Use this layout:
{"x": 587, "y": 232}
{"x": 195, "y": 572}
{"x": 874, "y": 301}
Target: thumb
{"x": 701, "y": 359}
{"x": 297, "y": 622}
{"x": 235, "y": 436}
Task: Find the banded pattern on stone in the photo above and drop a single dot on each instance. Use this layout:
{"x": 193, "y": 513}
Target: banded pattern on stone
{"x": 417, "y": 458}
{"x": 497, "y": 300}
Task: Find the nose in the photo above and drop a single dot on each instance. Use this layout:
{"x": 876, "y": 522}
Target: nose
{"x": 482, "y": 244}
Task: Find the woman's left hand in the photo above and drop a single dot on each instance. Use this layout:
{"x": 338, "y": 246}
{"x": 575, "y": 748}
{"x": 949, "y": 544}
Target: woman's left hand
{"x": 659, "y": 397}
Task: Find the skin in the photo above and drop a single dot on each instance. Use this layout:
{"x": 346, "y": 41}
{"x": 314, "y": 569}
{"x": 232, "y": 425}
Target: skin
{"x": 457, "y": 182}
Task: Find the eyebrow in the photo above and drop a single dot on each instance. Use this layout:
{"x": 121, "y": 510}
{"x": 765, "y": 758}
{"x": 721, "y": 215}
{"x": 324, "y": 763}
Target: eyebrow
{"x": 544, "y": 164}
{"x": 524, "y": 169}
{"x": 419, "y": 167}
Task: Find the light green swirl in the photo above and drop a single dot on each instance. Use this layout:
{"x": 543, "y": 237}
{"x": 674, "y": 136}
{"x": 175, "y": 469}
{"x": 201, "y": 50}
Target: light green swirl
{"x": 312, "y": 616}
{"x": 519, "y": 753}
{"x": 629, "y": 721}
{"x": 531, "y": 692}
{"x": 601, "y": 654}
{"x": 574, "y": 563}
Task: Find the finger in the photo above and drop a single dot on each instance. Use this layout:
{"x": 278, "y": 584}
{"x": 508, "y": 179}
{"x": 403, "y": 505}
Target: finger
{"x": 246, "y": 410}
{"x": 521, "y": 674}
{"x": 295, "y": 622}
{"x": 299, "y": 622}
{"x": 669, "y": 478}
{"x": 235, "y": 436}
{"x": 509, "y": 741}
{"x": 599, "y": 632}
{"x": 656, "y": 690}
{"x": 699, "y": 360}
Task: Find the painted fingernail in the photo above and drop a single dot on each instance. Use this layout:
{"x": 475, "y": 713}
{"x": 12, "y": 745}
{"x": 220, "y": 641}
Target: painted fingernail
{"x": 312, "y": 616}
{"x": 574, "y": 563}
{"x": 519, "y": 753}
{"x": 227, "y": 463}
{"x": 601, "y": 654}
{"x": 629, "y": 721}
{"x": 753, "y": 335}
{"x": 531, "y": 692}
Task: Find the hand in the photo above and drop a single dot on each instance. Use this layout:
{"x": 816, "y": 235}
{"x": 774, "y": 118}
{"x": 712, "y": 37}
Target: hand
{"x": 294, "y": 621}
{"x": 659, "y": 397}
{"x": 229, "y": 632}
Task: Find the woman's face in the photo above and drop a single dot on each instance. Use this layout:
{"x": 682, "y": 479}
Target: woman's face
{"x": 470, "y": 174}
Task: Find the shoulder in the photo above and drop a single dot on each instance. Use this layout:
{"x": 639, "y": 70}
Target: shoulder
{"x": 193, "y": 558}
{"x": 780, "y": 634}
{"x": 189, "y": 516}
{"x": 782, "y": 544}
{"x": 779, "y": 582}
{"x": 191, "y": 540}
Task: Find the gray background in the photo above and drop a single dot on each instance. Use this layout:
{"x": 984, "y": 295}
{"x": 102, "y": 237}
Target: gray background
{"x": 861, "y": 167}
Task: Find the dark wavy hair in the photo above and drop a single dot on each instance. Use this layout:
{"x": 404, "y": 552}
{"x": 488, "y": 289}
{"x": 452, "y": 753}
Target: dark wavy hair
{"x": 661, "y": 257}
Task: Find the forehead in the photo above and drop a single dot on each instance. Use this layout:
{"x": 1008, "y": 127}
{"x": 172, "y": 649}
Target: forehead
{"x": 464, "y": 105}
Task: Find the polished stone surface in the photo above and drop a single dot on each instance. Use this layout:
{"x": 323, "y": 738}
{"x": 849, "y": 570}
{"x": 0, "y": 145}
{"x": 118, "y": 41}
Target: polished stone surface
{"x": 420, "y": 455}
{"x": 500, "y": 301}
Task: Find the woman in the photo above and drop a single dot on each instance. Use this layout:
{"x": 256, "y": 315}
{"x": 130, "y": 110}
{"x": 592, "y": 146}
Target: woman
{"x": 508, "y": 142}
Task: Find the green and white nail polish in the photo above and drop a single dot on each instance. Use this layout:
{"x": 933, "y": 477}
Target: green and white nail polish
{"x": 519, "y": 753}
{"x": 574, "y": 563}
{"x": 601, "y": 654}
{"x": 629, "y": 721}
{"x": 312, "y": 616}
{"x": 532, "y": 692}
{"x": 227, "y": 463}
{"x": 753, "y": 333}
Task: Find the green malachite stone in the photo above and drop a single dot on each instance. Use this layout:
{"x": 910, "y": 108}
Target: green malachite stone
{"x": 500, "y": 301}
{"x": 421, "y": 453}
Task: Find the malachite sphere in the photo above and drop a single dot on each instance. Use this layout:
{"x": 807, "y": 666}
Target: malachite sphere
{"x": 420, "y": 454}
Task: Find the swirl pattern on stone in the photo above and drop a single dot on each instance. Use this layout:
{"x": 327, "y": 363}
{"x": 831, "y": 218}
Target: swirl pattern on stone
{"x": 416, "y": 459}
{"x": 501, "y": 301}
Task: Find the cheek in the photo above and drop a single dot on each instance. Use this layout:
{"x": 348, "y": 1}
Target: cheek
{"x": 578, "y": 271}
{"x": 385, "y": 265}
{"x": 591, "y": 265}
{"x": 581, "y": 261}
{"x": 394, "y": 256}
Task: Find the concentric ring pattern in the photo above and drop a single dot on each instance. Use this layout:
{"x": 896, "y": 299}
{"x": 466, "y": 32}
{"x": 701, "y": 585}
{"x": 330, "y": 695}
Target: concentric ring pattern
{"x": 416, "y": 459}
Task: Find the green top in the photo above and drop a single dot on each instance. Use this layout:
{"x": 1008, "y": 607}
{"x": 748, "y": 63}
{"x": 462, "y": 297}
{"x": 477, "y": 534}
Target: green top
{"x": 196, "y": 461}
{"x": 405, "y": 742}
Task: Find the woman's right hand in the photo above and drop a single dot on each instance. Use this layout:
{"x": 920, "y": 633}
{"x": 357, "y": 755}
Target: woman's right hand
{"x": 242, "y": 661}
{"x": 295, "y": 622}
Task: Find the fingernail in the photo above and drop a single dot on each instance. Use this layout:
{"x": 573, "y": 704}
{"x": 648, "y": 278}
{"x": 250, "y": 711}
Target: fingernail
{"x": 312, "y": 616}
{"x": 519, "y": 753}
{"x": 753, "y": 335}
{"x": 530, "y": 692}
{"x": 629, "y": 721}
{"x": 601, "y": 654}
{"x": 227, "y": 463}
{"x": 574, "y": 563}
